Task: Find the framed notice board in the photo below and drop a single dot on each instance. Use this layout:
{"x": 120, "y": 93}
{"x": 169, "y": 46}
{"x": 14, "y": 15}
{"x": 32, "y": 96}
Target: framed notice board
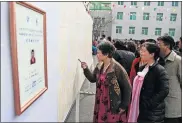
{"x": 29, "y": 53}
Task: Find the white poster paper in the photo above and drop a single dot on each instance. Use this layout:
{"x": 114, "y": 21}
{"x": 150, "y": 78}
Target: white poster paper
{"x": 30, "y": 52}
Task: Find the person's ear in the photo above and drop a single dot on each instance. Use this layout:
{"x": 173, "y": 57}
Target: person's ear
{"x": 152, "y": 54}
{"x": 107, "y": 55}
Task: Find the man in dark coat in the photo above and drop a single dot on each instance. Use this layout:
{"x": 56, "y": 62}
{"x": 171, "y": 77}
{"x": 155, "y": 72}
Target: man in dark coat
{"x": 124, "y": 57}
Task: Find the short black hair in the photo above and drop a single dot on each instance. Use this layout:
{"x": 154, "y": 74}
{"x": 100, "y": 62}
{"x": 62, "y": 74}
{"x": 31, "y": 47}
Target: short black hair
{"x": 167, "y": 40}
{"x": 32, "y": 51}
{"x": 176, "y": 43}
{"x": 152, "y": 48}
{"x": 142, "y": 41}
{"x": 151, "y": 40}
{"x": 109, "y": 38}
{"x": 103, "y": 36}
{"x": 120, "y": 45}
{"x": 131, "y": 46}
{"x": 107, "y": 48}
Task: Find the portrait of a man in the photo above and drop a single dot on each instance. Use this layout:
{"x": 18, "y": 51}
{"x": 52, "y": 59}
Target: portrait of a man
{"x": 33, "y": 59}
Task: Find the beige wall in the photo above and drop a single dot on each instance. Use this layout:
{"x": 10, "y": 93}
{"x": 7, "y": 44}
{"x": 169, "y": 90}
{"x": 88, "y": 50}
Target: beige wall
{"x": 75, "y": 42}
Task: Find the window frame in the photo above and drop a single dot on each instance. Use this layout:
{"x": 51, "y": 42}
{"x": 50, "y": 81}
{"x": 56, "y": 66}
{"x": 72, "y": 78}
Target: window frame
{"x": 133, "y": 3}
{"x": 145, "y": 3}
{"x": 119, "y": 29}
{"x": 159, "y": 18}
{"x": 145, "y": 18}
{"x": 131, "y": 30}
{"x": 171, "y": 17}
{"x": 172, "y": 30}
{"x": 159, "y": 31}
{"x": 119, "y": 15}
{"x": 175, "y": 3}
{"x": 120, "y": 3}
{"x": 132, "y": 14}
{"x": 160, "y": 3}
{"x": 144, "y": 30}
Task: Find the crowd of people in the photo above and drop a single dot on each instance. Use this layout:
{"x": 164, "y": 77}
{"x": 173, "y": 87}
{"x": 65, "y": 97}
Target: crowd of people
{"x": 137, "y": 81}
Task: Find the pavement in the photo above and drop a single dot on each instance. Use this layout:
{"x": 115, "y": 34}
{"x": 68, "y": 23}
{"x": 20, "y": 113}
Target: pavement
{"x": 86, "y": 103}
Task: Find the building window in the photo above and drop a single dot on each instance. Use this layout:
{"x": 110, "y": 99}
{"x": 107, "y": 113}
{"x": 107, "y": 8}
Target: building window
{"x": 172, "y": 32}
{"x": 160, "y": 3}
{"x": 120, "y": 15}
{"x": 146, "y": 16}
{"x": 173, "y": 17}
{"x": 131, "y": 30}
{"x": 120, "y": 3}
{"x": 119, "y": 29}
{"x": 145, "y": 30}
{"x": 132, "y": 15}
{"x": 158, "y": 31}
{"x": 146, "y": 3}
{"x": 159, "y": 17}
{"x": 133, "y": 3}
{"x": 175, "y": 3}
